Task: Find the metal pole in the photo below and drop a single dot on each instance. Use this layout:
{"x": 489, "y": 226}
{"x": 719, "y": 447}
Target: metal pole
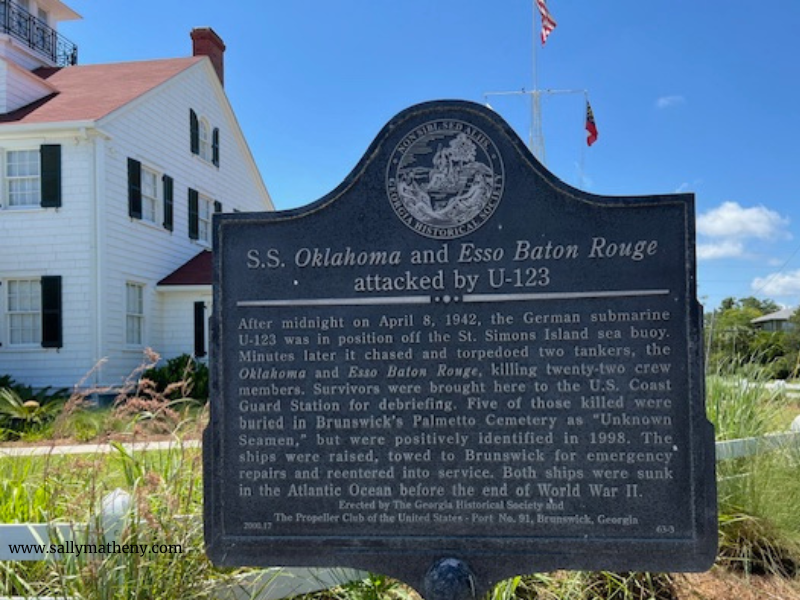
{"x": 449, "y": 579}
{"x": 536, "y": 142}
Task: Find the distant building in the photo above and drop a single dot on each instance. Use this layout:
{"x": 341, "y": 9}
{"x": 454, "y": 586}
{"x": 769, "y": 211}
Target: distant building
{"x": 777, "y": 321}
{"x": 110, "y": 176}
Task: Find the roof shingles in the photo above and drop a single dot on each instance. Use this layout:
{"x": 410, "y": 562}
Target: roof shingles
{"x": 197, "y": 271}
{"x": 90, "y": 92}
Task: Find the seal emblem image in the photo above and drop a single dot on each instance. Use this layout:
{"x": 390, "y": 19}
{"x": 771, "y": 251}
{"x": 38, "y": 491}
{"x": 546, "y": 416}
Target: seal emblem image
{"x": 445, "y": 178}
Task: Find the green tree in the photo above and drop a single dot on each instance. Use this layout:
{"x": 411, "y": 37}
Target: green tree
{"x": 765, "y": 306}
{"x": 792, "y": 343}
{"x": 733, "y": 340}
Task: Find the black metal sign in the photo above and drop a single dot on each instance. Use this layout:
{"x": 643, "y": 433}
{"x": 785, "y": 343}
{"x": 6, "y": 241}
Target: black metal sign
{"x": 456, "y": 356}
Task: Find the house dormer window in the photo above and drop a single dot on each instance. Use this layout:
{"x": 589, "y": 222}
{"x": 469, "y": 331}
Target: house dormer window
{"x": 203, "y": 139}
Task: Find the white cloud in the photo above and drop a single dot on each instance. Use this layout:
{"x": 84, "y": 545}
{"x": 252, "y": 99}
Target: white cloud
{"x": 778, "y": 284}
{"x": 670, "y": 101}
{"x": 723, "y": 249}
{"x": 732, "y": 221}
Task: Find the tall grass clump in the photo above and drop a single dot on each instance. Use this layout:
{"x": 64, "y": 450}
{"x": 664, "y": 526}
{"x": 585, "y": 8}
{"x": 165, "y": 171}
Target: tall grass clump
{"x": 558, "y": 585}
{"x": 741, "y": 404}
{"x": 758, "y": 496}
{"x": 22, "y": 500}
{"x": 759, "y": 518}
{"x": 164, "y": 517}
{"x": 561, "y": 585}
{"x": 141, "y": 406}
{"x": 605, "y": 585}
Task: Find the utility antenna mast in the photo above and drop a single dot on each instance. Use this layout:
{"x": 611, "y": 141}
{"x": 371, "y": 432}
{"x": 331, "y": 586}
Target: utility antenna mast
{"x": 535, "y": 134}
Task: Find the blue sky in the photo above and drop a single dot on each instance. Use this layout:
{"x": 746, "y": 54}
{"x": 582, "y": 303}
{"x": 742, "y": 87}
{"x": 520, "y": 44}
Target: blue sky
{"x": 688, "y": 96}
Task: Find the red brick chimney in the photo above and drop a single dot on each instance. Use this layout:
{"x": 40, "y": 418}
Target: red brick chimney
{"x": 205, "y": 42}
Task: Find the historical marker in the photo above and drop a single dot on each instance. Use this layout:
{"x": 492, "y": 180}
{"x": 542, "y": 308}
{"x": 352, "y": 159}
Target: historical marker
{"x": 456, "y": 359}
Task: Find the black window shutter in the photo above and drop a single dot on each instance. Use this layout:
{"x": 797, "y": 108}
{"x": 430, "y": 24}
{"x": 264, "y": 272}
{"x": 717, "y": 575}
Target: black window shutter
{"x": 134, "y": 189}
{"x": 51, "y": 312}
{"x": 215, "y": 146}
{"x": 194, "y": 132}
{"x": 217, "y": 206}
{"x": 194, "y": 206}
{"x": 50, "y": 157}
{"x": 199, "y": 329}
{"x": 168, "y": 203}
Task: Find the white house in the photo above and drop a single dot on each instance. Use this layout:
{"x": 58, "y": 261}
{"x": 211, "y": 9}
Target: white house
{"x": 776, "y": 321}
{"x": 110, "y": 176}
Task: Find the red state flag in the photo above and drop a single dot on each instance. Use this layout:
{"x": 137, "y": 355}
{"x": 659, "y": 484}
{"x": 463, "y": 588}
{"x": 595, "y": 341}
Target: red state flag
{"x": 591, "y": 127}
{"x": 548, "y": 22}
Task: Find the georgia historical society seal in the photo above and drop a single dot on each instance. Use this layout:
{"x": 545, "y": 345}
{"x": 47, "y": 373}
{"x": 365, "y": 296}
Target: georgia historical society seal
{"x": 445, "y": 179}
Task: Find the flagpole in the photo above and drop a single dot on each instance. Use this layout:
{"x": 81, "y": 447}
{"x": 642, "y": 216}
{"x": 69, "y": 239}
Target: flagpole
{"x": 582, "y": 164}
{"x": 536, "y": 137}
{"x": 535, "y": 133}
{"x": 534, "y": 54}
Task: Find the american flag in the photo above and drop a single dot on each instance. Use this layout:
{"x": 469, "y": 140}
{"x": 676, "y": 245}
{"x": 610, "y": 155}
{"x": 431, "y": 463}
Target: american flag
{"x": 548, "y": 22}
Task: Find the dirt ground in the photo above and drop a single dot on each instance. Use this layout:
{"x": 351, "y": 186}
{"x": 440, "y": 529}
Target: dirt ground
{"x": 719, "y": 584}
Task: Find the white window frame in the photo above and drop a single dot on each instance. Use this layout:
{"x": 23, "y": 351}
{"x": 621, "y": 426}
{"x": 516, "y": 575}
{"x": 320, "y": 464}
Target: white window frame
{"x": 25, "y": 316}
{"x": 204, "y": 137}
{"x": 152, "y": 202}
{"x": 33, "y": 193}
{"x": 134, "y": 314}
{"x": 205, "y": 213}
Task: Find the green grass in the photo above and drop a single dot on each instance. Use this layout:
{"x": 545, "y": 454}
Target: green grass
{"x": 66, "y": 487}
{"x": 162, "y": 484}
{"x": 759, "y": 518}
{"x": 758, "y": 496}
{"x": 742, "y": 405}
{"x": 758, "y": 500}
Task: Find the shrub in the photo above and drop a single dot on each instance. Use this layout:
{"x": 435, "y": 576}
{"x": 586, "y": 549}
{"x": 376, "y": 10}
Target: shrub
{"x": 180, "y": 377}
{"x": 20, "y": 417}
{"x": 43, "y": 396}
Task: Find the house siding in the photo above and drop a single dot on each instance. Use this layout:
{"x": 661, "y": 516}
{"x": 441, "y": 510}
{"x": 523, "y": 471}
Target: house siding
{"x": 26, "y": 58}
{"x": 156, "y": 133}
{"x": 38, "y": 242}
{"x": 19, "y": 89}
{"x": 176, "y": 320}
{"x": 93, "y": 243}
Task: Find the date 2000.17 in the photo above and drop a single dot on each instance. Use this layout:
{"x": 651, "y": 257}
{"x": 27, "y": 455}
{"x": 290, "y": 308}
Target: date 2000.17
{"x": 256, "y": 525}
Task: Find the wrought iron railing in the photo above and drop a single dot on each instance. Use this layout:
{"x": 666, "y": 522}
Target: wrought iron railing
{"x": 34, "y": 32}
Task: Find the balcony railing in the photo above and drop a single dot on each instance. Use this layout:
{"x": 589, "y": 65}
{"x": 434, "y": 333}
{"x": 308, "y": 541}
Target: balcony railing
{"x": 36, "y": 34}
